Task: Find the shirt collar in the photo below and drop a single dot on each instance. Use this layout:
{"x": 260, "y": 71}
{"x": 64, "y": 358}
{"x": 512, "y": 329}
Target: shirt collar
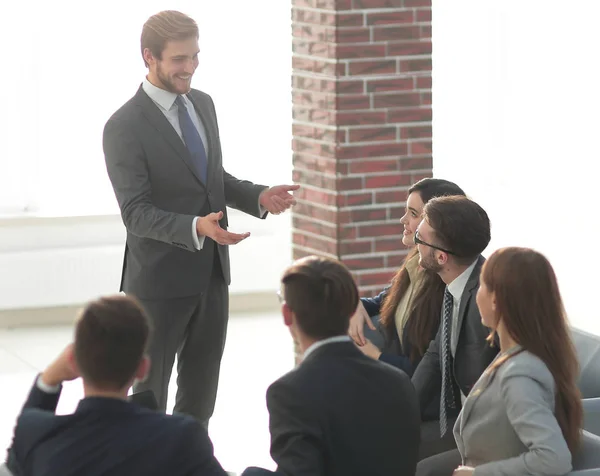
{"x": 457, "y": 286}
{"x": 105, "y": 404}
{"x": 321, "y": 343}
{"x": 165, "y": 99}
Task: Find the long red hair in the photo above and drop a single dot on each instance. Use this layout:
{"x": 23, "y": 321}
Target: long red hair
{"x": 531, "y": 309}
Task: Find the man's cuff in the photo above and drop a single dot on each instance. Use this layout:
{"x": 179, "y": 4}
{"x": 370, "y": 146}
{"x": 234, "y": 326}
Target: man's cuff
{"x": 197, "y": 240}
{"x": 262, "y": 212}
{"x": 44, "y": 387}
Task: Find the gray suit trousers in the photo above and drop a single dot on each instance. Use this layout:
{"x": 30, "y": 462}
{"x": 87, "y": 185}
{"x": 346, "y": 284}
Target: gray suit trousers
{"x": 193, "y": 328}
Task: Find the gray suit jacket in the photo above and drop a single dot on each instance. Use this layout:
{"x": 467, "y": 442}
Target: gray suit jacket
{"x": 473, "y": 353}
{"x": 507, "y": 426}
{"x": 160, "y": 193}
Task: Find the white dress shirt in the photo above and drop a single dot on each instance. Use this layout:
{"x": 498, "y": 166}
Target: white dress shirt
{"x": 44, "y": 387}
{"x": 165, "y": 100}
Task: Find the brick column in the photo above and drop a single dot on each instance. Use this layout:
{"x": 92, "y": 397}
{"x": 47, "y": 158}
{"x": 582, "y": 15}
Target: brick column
{"x": 361, "y": 129}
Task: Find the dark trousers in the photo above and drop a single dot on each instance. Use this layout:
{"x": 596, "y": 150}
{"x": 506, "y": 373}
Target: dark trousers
{"x": 193, "y": 328}
{"x": 442, "y": 464}
{"x": 431, "y": 441}
{"x": 254, "y": 471}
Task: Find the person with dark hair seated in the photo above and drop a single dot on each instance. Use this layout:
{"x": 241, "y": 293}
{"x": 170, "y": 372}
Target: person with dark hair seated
{"x": 454, "y": 232}
{"x": 409, "y": 308}
{"x": 107, "y": 434}
{"x": 315, "y": 428}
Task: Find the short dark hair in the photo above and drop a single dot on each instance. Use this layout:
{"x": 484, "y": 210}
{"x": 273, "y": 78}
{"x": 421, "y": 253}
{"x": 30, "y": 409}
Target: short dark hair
{"x": 460, "y": 225}
{"x": 322, "y": 294}
{"x": 166, "y": 26}
{"x": 111, "y": 337}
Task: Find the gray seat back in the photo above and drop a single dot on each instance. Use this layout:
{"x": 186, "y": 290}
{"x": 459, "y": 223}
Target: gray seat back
{"x": 588, "y": 353}
{"x": 588, "y": 456}
{"x": 4, "y": 470}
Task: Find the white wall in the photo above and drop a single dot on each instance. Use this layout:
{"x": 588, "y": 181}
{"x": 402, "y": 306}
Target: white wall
{"x": 51, "y": 158}
{"x": 516, "y": 98}
{"x": 68, "y": 245}
{"x": 47, "y": 262}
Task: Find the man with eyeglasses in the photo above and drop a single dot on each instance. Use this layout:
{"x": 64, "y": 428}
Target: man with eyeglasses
{"x": 450, "y": 239}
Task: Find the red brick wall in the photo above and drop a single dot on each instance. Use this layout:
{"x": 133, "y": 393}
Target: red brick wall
{"x": 362, "y": 128}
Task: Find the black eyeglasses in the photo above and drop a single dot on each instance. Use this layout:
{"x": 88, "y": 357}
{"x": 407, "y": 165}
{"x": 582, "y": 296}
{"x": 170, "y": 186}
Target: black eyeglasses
{"x": 419, "y": 241}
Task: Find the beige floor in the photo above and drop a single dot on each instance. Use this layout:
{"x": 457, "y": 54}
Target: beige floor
{"x": 258, "y": 350}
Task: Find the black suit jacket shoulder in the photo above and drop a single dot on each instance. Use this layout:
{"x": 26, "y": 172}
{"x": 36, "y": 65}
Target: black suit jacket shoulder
{"x": 473, "y": 352}
{"x": 339, "y": 406}
{"x": 107, "y": 436}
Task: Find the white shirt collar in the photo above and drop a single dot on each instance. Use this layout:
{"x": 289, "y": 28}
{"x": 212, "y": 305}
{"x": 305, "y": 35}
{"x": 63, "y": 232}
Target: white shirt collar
{"x": 321, "y": 343}
{"x": 457, "y": 286}
{"x": 165, "y": 99}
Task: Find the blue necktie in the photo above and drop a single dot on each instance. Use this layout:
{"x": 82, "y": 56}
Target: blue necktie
{"x": 192, "y": 138}
{"x": 447, "y": 397}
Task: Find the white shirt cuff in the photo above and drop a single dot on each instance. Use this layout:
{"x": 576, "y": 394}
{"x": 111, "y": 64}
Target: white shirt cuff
{"x": 198, "y": 240}
{"x": 44, "y": 387}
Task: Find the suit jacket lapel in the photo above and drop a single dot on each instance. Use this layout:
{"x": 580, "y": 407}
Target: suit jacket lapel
{"x": 467, "y": 295}
{"x": 164, "y": 127}
{"x": 484, "y": 381}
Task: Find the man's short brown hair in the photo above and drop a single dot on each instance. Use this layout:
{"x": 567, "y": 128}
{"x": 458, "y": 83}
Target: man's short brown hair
{"x": 322, "y": 294}
{"x": 111, "y": 337}
{"x": 165, "y": 26}
{"x": 460, "y": 225}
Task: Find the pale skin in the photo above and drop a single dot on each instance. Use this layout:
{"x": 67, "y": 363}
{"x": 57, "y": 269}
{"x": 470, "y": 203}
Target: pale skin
{"x": 173, "y": 72}
{"x": 410, "y": 220}
{"x": 289, "y": 319}
{"x": 439, "y": 261}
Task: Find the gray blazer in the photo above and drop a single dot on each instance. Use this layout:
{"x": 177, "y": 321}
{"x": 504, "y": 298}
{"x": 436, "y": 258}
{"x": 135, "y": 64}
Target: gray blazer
{"x": 159, "y": 193}
{"x": 507, "y": 425}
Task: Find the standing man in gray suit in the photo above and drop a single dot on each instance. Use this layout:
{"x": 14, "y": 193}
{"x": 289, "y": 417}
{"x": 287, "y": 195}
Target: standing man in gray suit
{"x": 163, "y": 157}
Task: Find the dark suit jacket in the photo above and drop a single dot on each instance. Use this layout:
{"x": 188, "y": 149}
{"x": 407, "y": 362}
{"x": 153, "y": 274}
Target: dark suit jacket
{"x": 473, "y": 352}
{"x": 341, "y": 413}
{"x": 397, "y": 354}
{"x": 159, "y": 193}
{"x": 107, "y": 436}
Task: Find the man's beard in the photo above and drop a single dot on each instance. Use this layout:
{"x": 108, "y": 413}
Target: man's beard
{"x": 429, "y": 262}
{"x": 167, "y": 83}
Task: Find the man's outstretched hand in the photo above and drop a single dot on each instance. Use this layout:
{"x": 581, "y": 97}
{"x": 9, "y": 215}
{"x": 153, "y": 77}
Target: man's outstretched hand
{"x": 209, "y": 226}
{"x": 278, "y": 199}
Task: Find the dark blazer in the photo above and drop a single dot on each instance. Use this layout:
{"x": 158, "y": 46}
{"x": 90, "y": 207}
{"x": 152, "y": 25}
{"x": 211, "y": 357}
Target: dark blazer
{"x": 160, "y": 193}
{"x": 341, "y": 413}
{"x": 473, "y": 352}
{"x": 107, "y": 436}
{"x": 394, "y": 353}
{"x": 398, "y": 354}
